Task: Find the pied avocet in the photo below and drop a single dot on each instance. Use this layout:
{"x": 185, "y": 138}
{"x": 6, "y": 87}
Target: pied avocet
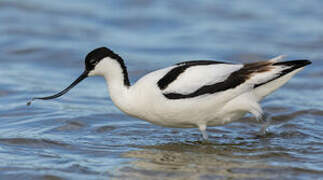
{"x": 192, "y": 93}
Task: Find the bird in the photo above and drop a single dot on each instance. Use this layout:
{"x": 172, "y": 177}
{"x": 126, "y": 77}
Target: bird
{"x": 190, "y": 94}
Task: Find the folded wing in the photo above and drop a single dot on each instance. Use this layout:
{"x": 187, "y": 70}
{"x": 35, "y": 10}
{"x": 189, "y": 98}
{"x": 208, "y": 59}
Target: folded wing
{"x": 193, "y": 79}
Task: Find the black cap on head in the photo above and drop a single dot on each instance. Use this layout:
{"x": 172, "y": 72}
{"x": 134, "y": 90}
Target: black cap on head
{"x": 95, "y": 56}
{"x": 91, "y": 60}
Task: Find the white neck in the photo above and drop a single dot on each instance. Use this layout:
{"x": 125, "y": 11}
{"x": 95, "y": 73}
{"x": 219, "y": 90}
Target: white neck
{"x": 119, "y": 93}
{"x": 115, "y": 76}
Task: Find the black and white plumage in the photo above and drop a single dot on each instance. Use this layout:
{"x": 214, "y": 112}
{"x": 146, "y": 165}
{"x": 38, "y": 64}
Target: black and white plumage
{"x": 190, "y": 94}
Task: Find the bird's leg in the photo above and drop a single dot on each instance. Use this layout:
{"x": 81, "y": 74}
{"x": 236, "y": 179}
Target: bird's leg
{"x": 202, "y": 128}
{"x": 265, "y": 119}
{"x": 262, "y": 117}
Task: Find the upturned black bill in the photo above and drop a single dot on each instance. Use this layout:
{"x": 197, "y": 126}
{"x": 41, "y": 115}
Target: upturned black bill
{"x": 79, "y": 79}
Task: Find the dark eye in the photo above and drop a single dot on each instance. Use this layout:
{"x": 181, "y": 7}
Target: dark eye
{"x": 93, "y": 62}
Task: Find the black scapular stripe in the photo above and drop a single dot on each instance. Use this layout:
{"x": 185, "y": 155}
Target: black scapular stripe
{"x": 235, "y": 79}
{"x": 240, "y": 76}
{"x": 200, "y": 62}
{"x": 173, "y": 74}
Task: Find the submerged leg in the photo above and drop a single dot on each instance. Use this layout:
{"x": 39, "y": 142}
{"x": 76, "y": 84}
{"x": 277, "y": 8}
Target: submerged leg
{"x": 203, "y": 131}
{"x": 266, "y": 119}
{"x": 262, "y": 117}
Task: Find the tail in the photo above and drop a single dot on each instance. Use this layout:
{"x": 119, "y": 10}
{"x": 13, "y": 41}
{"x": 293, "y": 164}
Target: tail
{"x": 288, "y": 66}
{"x": 282, "y": 72}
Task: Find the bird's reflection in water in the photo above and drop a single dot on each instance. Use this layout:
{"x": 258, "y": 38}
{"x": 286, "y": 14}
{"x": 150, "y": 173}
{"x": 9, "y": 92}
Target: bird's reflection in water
{"x": 195, "y": 160}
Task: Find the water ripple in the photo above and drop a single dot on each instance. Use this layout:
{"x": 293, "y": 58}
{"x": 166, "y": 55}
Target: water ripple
{"x": 84, "y": 136}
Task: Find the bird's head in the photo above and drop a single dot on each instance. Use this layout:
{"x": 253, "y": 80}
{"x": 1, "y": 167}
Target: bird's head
{"x": 96, "y": 63}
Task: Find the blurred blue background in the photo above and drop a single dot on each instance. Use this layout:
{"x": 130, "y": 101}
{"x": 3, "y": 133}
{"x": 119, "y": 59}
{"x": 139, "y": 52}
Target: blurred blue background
{"x": 82, "y": 135}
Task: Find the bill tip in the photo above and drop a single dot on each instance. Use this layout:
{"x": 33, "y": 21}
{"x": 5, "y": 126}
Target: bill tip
{"x": 28, "y": 103}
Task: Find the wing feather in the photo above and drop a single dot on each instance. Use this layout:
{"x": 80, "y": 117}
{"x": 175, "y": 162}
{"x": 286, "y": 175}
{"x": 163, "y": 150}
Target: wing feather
{"x": 201, "y": 80}
{"x": 193, "y": 78}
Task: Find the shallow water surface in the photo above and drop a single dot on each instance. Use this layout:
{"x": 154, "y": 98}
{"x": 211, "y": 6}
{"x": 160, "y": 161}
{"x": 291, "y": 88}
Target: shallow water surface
{"x": 82, "y": 135}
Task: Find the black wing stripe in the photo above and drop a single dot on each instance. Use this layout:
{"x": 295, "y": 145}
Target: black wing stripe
{"x": 234, "y": 80}
{"x": 174, "y": 73}
{"x": 240, "y": 76}
{"x": 170, "y": 77}
{"x": 201, "y": 62}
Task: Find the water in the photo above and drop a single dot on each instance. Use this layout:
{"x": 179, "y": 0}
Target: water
{"x": 83, "y": 136}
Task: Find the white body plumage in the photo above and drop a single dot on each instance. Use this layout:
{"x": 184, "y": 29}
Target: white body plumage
{"x": 193, "y": 93}
{"x": 145, "y": 100}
